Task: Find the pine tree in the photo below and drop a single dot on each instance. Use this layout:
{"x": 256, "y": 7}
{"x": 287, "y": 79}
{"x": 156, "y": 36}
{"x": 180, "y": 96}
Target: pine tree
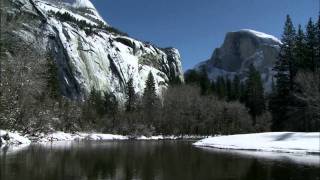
{"x": 236, "y": 88}
{"x": 112, "y": 107}
{"x": 311, "y": 45}
{"x": 300, "y": 59}
{"x": 228, "y": 89}
{"x": 284, "y": 68}
{"x": 213, "y": 87}
{"x": 130, "y": 96}
{"x": 221, "y": 86}
{"x": 204, "y": 82}
{"x": 192, "y": 77}
{"x": 318, "y": 44}
{"x": 286, "y": 57}
{"x": 175, "y": 81}
{"x": 52, "y": 79}
{"x": 92, "y": 110}
{"x": 97, "y": 102}
{"x": 255, "y": 100}
{"x": 150, "y": 95}
{"x": 150, "y": 100}
{"x": 242, "y": 98}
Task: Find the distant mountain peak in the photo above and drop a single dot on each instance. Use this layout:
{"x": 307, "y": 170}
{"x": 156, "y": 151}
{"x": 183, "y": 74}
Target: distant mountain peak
{"x": 239, "y": 50}
{"x": 83, "y": 4}
{"x": 261, "y": 35}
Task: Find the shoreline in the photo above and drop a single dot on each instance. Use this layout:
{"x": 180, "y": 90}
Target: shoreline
{"x": 11, "y": 138}
{"x": 277, "y": 142}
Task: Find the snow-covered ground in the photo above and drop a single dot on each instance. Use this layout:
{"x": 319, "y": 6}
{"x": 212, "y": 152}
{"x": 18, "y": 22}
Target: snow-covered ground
{"x": 286, "y": 142}
{"x": 12, "y": 138}
{"x": 16, "y": 138}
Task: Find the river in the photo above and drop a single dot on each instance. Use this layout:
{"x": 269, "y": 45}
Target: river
{"x": 145, "y": 160}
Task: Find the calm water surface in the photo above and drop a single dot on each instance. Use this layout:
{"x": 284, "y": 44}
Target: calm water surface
{"x": 145, "y": 160}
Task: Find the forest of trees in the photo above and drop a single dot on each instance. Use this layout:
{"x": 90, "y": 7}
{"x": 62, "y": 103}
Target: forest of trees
{"x": 31, "y": 100}
{"x": 295, "y": 102}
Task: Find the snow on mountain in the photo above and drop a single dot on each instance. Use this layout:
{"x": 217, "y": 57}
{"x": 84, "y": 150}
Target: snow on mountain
{"x": 241, "y": 49}
{"x": 90, "y": 55}
{"x": 86, "y": 4}
{"x": 262, "y": 35}
{"x": 79, "y": 9}
{"x": 83, "y": 4}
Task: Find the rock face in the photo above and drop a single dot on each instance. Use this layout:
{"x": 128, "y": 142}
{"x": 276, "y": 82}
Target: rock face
{"x": 241, "y": 49}
{"x": 88, "y": 52}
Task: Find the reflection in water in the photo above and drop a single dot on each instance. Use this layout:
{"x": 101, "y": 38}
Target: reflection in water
{"x": 145, "y": 160}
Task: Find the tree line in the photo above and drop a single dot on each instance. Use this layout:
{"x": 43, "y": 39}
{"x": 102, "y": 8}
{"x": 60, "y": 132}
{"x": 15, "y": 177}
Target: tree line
{"x": 180, "y": 110}
{"x": 295, "y": 101}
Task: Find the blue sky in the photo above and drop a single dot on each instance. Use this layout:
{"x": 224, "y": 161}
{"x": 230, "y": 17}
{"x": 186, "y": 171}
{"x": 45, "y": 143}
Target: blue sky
{"x": 197, "y": 27}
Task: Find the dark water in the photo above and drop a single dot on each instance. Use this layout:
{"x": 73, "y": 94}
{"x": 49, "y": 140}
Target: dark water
{"x": 145, "y": 160}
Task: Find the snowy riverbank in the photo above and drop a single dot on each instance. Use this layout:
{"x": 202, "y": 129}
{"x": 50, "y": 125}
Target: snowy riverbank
{"x": 16, "y": 138}
{"x": 285, "y": 142}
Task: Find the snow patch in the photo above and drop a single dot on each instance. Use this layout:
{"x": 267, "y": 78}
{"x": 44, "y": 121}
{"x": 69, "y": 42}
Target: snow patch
{"x": 62, "y": 136}
{"x": 83, "y": 4}
{"x": 262, "y": 35}
{"x": 12, "y": 138}
{"x": 286, "y": 142}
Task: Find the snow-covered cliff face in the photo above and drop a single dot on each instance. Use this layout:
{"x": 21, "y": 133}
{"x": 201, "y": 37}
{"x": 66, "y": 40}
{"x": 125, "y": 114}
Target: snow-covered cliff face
{"x": 88, "y": 52}
{"x": 239, "y": 50}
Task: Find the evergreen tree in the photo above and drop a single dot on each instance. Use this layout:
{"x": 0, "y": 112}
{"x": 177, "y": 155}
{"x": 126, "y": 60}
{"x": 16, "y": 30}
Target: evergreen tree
{"x": 175, "y": 81}
{"x": 97, "y": 102}
{"x": 111, "y": 107}
{"x": 255, "y": 100}
{"x": 149, "y": 95}
{"x": 311, "y": 45}
{"x": 280, "y": 99}
{"x": 286, "y": 57}
{"x": 204, "y": 82}
{"x": 228, "y": 89}
{"x": 150, "y": 99}
{"x": 52, "y": 79}
{"x": 221, "y": 86}
{"x": 318, "y": 44}
{"x": 213, "y": 87}
{"x": 92, "y": 110}
{"x": 192, "y": 77}
{"x": 236, "y": 88}
{"x": 300, "y": 51}
{"x": 242, "y": 92}
{"x": 130, "y": 96}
